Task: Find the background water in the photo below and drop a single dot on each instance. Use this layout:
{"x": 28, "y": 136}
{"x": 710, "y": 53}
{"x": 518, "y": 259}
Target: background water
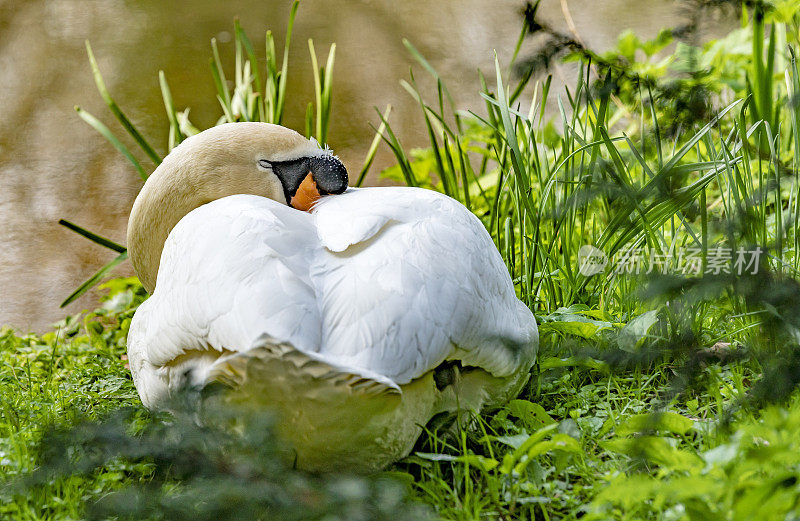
{"x": 52, "y": 165}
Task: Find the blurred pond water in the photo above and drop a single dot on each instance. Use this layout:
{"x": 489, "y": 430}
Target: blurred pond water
{"x": 52, "y": 165}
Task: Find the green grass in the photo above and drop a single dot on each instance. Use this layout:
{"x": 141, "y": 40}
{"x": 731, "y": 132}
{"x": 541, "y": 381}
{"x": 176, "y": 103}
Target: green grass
{"x": 561, "y": 450}
{"x": 666, "y": 396}
{"x": 61, "y": 377}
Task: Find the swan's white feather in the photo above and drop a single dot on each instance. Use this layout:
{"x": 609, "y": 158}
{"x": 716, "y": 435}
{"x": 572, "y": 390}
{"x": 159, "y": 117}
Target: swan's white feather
{"x": 230, "y": 270}
{"x": 380, "y": 282}
{"x": 412, "y": 278}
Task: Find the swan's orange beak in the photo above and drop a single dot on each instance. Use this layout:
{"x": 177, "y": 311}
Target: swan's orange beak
{"x": 307, "y": 194}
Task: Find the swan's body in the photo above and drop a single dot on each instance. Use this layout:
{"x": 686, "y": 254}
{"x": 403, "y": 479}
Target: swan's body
{"x": 337, "y": 318}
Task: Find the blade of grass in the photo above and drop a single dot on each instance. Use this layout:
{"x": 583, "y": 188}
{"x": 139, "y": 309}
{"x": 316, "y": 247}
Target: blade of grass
{"x": 425, "y": 64}
{"x": 281, "y": 98}
{"x": 175, "y": 126}
{"x": 241, "y": 36}
{"x": 111, "y": 138}
{"x": 94, "y": 279}
{"x": 112, "y": 105}
{"x": 373, "y": 148}
{"x": 517, "y": 161}
{"x": 317, "y": 92}
{"x": 325, "y": 102}
{"x": 397, "y": 150}
{"x": 221, "y": 83}
{"x": 102, "y": 241}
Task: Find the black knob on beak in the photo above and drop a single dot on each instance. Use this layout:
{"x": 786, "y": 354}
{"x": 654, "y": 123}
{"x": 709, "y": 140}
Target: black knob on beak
{"x": 329, "y": 173}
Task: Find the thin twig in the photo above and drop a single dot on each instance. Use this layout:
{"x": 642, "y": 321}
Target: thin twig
{"x": 570, "y": 22}
{"x": 575, "y": 34}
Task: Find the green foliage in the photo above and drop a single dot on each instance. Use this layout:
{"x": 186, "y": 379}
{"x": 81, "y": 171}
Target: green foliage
{"x": 586, "y": 444}
{"x": 209, "y": 466}
{"x": 667, "y": 396}
{"x": 690, "y": 172}
{"x": 751, "y": 473}
{"x": 60, "y": 377}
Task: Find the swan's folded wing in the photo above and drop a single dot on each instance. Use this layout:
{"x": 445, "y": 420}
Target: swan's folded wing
{"x": 230, "y": 271}
{"x": 410, "y": 278}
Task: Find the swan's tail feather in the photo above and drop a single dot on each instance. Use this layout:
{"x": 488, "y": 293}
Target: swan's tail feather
{"x": 331, "y": 415}
{"x": 273, "y": 363}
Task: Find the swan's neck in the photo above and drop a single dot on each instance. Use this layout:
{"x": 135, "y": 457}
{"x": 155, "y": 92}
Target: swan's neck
{"x": 175, "y": 189}
{"x": 157, "y": 209}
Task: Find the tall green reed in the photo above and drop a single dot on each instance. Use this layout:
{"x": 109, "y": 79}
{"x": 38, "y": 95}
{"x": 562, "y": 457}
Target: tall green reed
{"x": 605, "y": 179}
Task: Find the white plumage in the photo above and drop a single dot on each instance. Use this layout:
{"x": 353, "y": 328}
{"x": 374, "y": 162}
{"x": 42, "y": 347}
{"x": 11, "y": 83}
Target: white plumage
{"x": 337, "y": 318}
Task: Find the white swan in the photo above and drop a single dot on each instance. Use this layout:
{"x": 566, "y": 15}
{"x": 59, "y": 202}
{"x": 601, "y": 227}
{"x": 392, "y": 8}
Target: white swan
{"x": 358, "y": 321}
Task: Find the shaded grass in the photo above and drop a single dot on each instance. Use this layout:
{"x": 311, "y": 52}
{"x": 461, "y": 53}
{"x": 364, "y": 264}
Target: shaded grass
{"x": 551, "y": 454}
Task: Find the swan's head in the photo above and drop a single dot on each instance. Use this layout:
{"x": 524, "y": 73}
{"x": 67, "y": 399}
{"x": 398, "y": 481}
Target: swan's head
{"x": 234, "y": 158}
